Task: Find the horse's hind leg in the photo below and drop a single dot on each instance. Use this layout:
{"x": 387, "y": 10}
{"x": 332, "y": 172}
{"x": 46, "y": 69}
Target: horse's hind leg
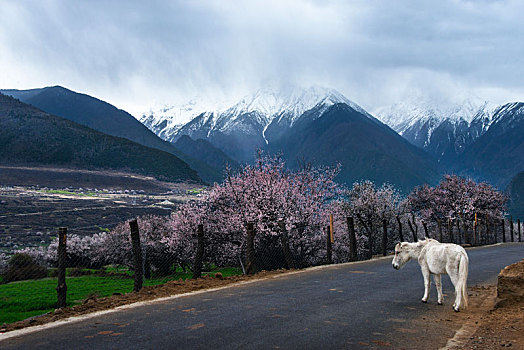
{"x": 453, "y": 275}
{"x": 427, "y": 283}
{"x": 438, "y": 284}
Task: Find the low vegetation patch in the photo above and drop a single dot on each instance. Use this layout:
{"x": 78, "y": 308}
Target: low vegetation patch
{"x": 90, "y": 194}
{"x": 23, "y": 267}
{"x": 22, "y": 299}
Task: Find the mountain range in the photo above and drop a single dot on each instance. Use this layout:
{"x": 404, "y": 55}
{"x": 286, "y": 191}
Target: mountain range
{"x": 250, "y": 123}
{"x": 444, "y": 132}
{"x": 316, "y": 125}
{"x": 497, "y": 155}
{"x": 407, "y": 144}
{"x": 472, "y": 137}
{"x": 475, "y": 138}
{"x": 30, "y": 136}
{"x": 106, "y": 118}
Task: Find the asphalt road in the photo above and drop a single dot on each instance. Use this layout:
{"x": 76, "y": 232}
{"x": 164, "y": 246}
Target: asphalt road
{"x": 341, "y": 306}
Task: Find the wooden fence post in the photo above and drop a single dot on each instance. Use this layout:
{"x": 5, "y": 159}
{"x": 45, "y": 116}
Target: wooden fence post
{"x": 352, "y": 238}
{"x": 415, "y": 238}
{"x": 487, "y": 233}
{"x": 250, "y": 249}
{"x": 284, "y": 240}
{"x": 503, "y": 230}
{"x": 474, "y": 231}
{"x": 384, "y": 237}
{"x": 61, "y": 289}
{"x": 459, "y": 234}
{"x": 495, "y": 231}
{"x": 199, "y": 255}
{"x": 331, "y": 229}
{"x": 511, "y": 228}
{"x": 400, "y": 233}
{"x": 137, "y": 255}
{"x": 450, "y": 230}
{"x": 426, "y": 234}
{"x": 467, "y": 235}
{"x": 329, "y": 254}
{"x": 518, "y": 224}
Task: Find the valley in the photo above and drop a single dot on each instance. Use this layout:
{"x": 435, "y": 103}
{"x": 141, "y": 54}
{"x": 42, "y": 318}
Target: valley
{"x": 34, "y": 202}
{"x": 407, "y": 144}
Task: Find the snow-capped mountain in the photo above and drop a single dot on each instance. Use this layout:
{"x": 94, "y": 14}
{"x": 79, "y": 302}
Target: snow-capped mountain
{"x": 254, "y": 121}
{"x": 166, "y": 120}
{"x": 315, "y": 125}
{"x": 258, "y": 120}
{"x": 506, "y": 116}
{"x": 442, "y": 130}
{"x": 402, "y": 116}
{"x": 288, "y": 104}
{"x": 498, "y": 154}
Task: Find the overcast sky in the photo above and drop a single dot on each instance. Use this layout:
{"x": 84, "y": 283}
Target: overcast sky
{"x": 135, "y": 54}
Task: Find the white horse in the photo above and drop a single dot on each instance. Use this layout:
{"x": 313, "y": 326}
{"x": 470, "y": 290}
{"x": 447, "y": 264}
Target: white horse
{"x": 437, "y": 258}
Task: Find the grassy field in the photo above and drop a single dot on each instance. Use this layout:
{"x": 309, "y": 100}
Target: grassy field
{"x": 23, "y": 299}
{"x": 90, "y": 194}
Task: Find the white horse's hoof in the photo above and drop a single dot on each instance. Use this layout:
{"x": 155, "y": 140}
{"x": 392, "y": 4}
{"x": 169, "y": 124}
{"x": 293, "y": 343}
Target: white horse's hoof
{"x": 439, "y": 303}
{"x": 456, "y": 309}
{"x": 424, "y": 301}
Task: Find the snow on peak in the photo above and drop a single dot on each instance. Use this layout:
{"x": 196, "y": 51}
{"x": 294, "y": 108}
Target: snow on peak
{"x": 265, "y": 105}
{"x": 402, "y": 116}
{"x": 418, "y": 119}
{"x": 180, "y": 114}
{"x": 292, "y": 101}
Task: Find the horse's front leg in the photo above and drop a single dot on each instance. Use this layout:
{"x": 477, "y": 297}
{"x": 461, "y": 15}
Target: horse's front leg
{"x": 438, "y": 284}
{"x": 427, "y": 283}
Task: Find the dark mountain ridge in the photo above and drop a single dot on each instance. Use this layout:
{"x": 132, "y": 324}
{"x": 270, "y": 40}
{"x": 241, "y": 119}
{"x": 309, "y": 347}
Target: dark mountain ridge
{"x": 29, "y": 136}
{"x": 204, "y": 150}
{"x": 516, "y": 194}
{"x": 498, "y": 154}
{"x": 365, "y": 148}
{"x": 106, "y": 118}
{"x": 238, "y": 140}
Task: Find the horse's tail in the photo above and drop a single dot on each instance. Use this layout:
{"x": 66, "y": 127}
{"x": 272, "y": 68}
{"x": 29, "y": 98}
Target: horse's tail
{"x": 463, "y": 278}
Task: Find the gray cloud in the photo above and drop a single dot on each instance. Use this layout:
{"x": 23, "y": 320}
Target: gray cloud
{"x": 134, "y": 53}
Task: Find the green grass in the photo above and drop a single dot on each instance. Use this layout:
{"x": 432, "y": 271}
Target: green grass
{"x": 23, "y": 299}
{"x": 89, "y": 194}
{"x": 195, "y": 191}
{"x": 119, "y": 270}
{"x": 226, "y": 271}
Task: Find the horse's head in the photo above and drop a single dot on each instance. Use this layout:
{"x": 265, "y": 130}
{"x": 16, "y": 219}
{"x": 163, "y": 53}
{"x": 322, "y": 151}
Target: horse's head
{"x": 403, "y": 254}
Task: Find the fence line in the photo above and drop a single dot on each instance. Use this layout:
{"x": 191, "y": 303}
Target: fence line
{"x": 356, "y": 242}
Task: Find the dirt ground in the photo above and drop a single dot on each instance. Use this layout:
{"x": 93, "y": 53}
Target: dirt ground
{"x": 55, "y": 177}
{"x": 502, "y": 325}
{"x": 499, "y": 327}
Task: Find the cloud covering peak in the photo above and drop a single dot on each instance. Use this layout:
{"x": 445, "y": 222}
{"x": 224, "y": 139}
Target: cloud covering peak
{"x": 135, "y": 54}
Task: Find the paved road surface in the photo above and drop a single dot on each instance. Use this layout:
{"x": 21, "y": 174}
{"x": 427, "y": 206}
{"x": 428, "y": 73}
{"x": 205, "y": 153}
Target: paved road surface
{"x": 341, "y": 306}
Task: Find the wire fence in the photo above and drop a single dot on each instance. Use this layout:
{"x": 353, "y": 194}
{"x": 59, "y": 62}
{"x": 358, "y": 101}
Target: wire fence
{"x": 73, "y": 269}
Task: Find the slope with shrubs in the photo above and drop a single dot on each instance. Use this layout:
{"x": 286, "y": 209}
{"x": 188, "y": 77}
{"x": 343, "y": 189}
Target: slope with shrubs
{"x": 29, "y": 136}
{"x": 106, "y": 118}
{"x": 516, "y": 193}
